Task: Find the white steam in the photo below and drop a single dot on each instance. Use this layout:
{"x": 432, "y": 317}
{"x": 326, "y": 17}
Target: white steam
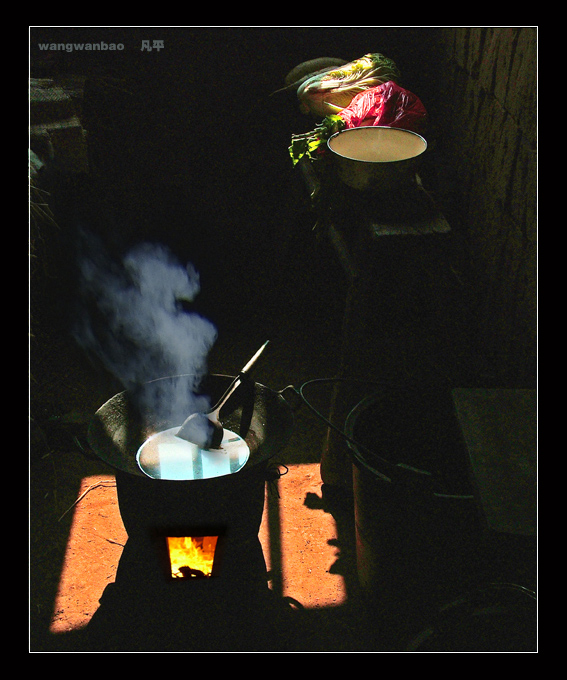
{"x": 134, "y": 319}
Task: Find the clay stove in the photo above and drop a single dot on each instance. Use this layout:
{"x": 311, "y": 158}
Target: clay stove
{"x": 193, "y": 544}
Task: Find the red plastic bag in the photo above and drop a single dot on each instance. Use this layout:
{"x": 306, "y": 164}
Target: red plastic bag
{"x": 389, "y": 105}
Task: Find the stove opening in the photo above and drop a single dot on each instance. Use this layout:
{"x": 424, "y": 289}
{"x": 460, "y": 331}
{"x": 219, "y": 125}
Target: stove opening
{"x": 192, "y": 557}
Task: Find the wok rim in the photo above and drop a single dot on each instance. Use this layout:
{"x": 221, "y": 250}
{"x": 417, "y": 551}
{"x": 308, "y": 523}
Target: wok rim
{"x": 125, "y": 462}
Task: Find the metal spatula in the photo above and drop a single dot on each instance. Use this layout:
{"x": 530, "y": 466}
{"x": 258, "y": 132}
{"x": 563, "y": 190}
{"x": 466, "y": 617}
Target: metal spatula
{"x": 205, "y": 429}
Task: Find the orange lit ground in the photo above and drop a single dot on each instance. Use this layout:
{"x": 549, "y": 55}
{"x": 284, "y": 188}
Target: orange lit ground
{"x": 94, "y": 548}
{"x": 299, "y": 538}
{"x": 305, "y": 545}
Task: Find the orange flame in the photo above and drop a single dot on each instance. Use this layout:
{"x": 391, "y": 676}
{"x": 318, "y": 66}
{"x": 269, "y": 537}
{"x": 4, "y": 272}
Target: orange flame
{"x": 191, "y": 556}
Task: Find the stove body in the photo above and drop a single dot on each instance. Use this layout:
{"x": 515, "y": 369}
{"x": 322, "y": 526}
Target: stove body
{"x": 151, "y": 608}
{"x": 229, "y": 508}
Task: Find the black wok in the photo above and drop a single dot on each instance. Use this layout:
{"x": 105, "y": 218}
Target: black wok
{"x": 261, "y": 416}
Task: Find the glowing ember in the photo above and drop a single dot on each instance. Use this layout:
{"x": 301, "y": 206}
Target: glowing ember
{"x": 191, "y": 556}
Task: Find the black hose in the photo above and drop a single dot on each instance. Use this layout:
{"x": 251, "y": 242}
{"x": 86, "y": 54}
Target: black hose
{"x": 396, "y": 470}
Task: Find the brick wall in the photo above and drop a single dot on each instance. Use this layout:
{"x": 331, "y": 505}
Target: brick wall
{"x": 486, "y": 118}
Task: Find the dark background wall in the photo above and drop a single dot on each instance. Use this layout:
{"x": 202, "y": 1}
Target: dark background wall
{"x": 186, "y": 146}
{"x": 486, "y": 104}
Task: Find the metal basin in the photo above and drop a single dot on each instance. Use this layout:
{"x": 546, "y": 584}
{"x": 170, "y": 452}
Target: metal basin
{"x": 378, "y": 159}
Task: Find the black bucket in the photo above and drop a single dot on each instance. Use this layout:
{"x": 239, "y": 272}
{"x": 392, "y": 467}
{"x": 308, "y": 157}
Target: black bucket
{"x": 415, "y": 515}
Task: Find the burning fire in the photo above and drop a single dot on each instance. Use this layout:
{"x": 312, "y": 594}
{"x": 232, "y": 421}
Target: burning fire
{"x": 191, "y": 556}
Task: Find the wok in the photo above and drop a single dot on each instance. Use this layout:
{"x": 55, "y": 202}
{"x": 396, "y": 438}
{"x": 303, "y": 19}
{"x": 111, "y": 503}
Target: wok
{"x": 261, "y": 416}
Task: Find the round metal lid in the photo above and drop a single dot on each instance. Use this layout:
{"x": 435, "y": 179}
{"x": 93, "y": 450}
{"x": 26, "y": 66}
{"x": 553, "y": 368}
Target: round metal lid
{"x": 166, "y": 456}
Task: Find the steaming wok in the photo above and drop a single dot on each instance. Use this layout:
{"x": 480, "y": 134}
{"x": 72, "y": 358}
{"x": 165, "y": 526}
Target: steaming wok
{"x": 261, "y": 416}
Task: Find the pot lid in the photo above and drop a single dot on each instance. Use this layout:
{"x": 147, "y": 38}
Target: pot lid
{"x": 166, "y": 456}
